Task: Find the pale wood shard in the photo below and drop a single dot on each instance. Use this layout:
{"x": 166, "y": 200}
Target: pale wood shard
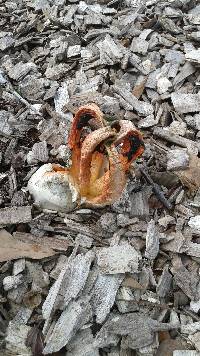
{"x": 82, "y": 344}
{"x": 164, "y": 283}
{"x": 103, "y": 295}
{"x": 152, "y": 241}
{"x": 118, "y": 259}
{"x": 79, "y": 313}
{"x": 15, "y": 215}
{"x": 69, "y": 283}
{"x": 16, "y": 338}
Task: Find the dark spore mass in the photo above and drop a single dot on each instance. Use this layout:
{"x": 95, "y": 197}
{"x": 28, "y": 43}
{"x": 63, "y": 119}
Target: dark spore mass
{"x": 83, "y": 120}
{"x": 135, "y": 143}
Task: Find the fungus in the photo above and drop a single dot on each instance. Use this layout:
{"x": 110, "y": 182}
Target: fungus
{"x": 101, "y": 157}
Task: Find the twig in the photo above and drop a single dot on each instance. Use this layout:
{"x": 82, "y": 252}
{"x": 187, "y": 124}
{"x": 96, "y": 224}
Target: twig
{"x": 156, "y": 189}
{"x": 24, "y": 101}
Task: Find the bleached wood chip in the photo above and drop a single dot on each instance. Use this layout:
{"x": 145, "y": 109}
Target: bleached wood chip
{"x": 6, "y": 40}
{"x": 166, "y": 220}
{"x": 185, "y": 72}
{"x": 82, "y": 344}
{"x": 193, "y": 56}
{"x": 11, "y": 282}
{"x": 193, "y": 249}
{"x": 194, "y": 222}
{"x": 126, "y": 301}
{"x": 5, "y": 127}
{"x": 118, "y": 259}
{"x": 103, "y": 295}
{"x": 39, "y": 278}
{"x": 163, "y": 84}
{"x": 195, "y": 306}
{"x": 16, "y": 338}
{"x": 61, "y": 262}
{"x": 18, "y": 266}
{"x": 72, "y": 319}
{"x": 195, "y": 339}
{"x": 15, "y": 215}
{"x": 166, "y": 134}
{"x": 61, "y": 98}
{"x": 190, "y": 328}
{"x": 139, "y": 45}
{"x": 70, "y": 282}
{"x": 106, "y": 339}
{"x": 177, "y": 244}
{"x": 184, "y": 103}
{"x": 23, "y": 315}
{"x": 152, "y": 241}
{"x": 177, "y": 159}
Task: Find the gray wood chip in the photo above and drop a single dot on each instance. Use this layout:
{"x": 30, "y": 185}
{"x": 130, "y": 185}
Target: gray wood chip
{"x": 139, "y": 202}
{"x": 16, "y": 338}
{"x": 72, "y": 319}
{"x": 164, "y": 283}
{"x": 82, "y": 344}
{"x": 190, "y": 328}
{"x": 110, "y": 53}
{"x": 138, "y": 330}
{"x": 186, "y": 281}
{"x": 5, "y": 127}
{"x": 141, "y": 107}
{"x": 195, "y": 340}
{"x": 39, "y": 153}
{"x": 184, "y": 103}
{"x": 152, "y": 241}
{"x": 103, "y": 295}
{"x": 70, "y": 282}
{"x": 193, "y": 56}
{"x": 177, "y": 159}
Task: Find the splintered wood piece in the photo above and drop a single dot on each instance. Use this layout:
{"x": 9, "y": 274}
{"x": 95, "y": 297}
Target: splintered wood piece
{"x": 12, "y": 249}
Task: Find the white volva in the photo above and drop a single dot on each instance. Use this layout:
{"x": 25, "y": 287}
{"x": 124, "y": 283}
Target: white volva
{"x": 52, "y": 191}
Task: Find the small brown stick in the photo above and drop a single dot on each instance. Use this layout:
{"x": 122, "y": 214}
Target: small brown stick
{"x": 156, "y": 189}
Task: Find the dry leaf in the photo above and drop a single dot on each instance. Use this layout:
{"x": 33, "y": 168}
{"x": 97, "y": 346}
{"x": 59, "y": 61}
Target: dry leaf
{"x": 190, "y": 177}
{"x": 12, "y": 249}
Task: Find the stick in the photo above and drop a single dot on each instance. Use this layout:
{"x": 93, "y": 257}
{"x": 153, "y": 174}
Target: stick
{"x": 157, "y": 190}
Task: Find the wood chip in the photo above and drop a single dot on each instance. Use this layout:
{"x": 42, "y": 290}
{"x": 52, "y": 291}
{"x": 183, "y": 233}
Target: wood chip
{"x": 12, "y": 249}
{"x": 15, "y": 215}
{"x": 118, "y": 259}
